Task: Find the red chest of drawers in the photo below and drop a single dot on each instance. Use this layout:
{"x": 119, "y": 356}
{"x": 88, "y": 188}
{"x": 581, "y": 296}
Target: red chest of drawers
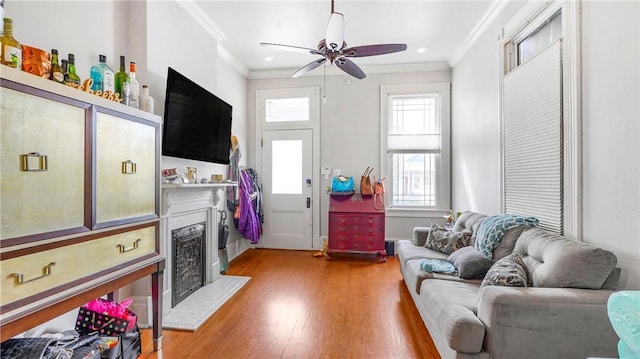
{"x": 355, "y": 226}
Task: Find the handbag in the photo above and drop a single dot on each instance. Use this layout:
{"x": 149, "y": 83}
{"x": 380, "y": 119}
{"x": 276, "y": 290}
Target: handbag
{"x": 366, "y": 189}
{"x": 342, "y": 184}
{"x": 105, "y": 318}
{"x": 378, "y": 193}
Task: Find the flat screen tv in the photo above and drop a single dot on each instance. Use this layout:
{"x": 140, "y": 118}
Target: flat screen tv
{"x": 197, "y": 124}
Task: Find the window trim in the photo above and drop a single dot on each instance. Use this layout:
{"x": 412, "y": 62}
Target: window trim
{"x": 443, "y": 189}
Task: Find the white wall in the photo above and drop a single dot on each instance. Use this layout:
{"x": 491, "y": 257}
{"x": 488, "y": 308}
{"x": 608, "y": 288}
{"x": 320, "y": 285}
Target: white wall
{"x": 611, "y": 131}
{"x": 610, "y": 114}
{"x": 350, "y": 129}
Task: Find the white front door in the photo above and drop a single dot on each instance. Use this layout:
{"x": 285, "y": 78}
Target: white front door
{"x": 287, "y": 189}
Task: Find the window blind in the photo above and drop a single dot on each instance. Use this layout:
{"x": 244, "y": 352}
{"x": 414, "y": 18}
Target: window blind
{"x": 533, "y": 143}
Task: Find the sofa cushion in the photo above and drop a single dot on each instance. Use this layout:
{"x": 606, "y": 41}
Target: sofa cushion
{"x": 493, "y": 229}
{"x": 507, "y": 243}
{"x": 470, "y": 262}
{"x": 453, "y": 307}
{"x": 555, "y": 261}
{"x": 469, "y": 221}
{"x": 508, "y": 272}
{"x": 414, "y": 275}
{"x": 443, "y": 240}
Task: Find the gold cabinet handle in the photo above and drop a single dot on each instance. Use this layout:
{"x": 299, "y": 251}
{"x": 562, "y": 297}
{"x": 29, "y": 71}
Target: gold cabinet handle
{"x": 122, "y": 248}
{"x": 129, "y": 167}
{"x": 27, "y": 162}
{"x": 46, "y": 271}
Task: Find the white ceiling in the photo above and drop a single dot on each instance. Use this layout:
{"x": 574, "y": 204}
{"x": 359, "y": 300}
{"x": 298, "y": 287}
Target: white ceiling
{"x": 442, "y": 27}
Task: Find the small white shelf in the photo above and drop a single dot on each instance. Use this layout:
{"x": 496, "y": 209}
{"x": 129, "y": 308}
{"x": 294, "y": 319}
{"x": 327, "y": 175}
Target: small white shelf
{"x": 199, "y": 185}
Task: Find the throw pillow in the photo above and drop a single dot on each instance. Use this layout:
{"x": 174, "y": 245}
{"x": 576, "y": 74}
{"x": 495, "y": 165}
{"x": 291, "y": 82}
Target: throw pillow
{"x": 470, "y": 263}
{"x": 446, "y": 241}
{"x": 493, "y": 229}
{"x": 509, "y": 271}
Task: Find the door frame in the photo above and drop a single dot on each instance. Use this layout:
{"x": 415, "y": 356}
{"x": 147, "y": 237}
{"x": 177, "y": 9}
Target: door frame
{"x": 313, "y": 94}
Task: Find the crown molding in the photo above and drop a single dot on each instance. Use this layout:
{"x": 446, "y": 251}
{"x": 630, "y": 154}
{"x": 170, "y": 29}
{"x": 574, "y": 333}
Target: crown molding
{"x": 201, "y": 18}
{"x": 368, "y": 69}
{"x": 477, "y": 31}
{"x": 232, "y": 61}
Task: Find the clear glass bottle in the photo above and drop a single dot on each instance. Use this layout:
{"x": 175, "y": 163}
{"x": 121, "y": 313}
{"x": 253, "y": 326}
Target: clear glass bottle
{"x": 102, "y": 76}
{"x": 122, "y": 83}
{"x": 134, "y": 86}
{"x": 146, "y": 101}
{"x": 57, "y": 73}
{"x": 11, "y": 50}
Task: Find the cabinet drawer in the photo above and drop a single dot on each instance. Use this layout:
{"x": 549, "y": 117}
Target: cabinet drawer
{"x": 72, "y": 262}
{"x": 125, "y": 169}
{"x": 43, "y": 192}
{"x": 347, "y": 219}
{"x": 337, "y": 243}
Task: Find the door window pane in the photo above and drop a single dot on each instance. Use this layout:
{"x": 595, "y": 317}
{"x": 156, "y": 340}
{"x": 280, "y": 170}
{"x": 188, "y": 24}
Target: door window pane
{"x": 414, "y": 179}
{"x": 286, "y": 173}
{"x": 287, "y": 109}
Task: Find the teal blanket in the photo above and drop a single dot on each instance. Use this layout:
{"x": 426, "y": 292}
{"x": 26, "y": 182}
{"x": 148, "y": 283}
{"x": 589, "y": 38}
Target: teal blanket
{"x": 493, "y": 228}
{"x": 437, "y": 266}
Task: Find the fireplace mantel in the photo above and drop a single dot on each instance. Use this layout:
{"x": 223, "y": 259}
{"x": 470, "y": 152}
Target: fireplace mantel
{"x": 184, "y": 197}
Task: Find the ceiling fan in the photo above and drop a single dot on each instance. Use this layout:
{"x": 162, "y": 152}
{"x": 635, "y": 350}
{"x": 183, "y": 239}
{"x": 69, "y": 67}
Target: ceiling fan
{"x": 334, "y": 48}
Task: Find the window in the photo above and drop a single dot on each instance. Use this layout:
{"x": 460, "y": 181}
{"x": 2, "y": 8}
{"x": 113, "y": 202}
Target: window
{"x": 287, "y": 109}
{"x": 415, "y": 145}
{"x": 540, "y": 94}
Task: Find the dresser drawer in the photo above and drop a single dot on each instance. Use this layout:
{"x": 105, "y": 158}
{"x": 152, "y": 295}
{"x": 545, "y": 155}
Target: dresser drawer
{"x": 42, "y": 154}
{"x": 348, "y": 219}
{"x": 125, "y": 169}
{"x": 369, "y": 244}
{"x": 45, "y": 270}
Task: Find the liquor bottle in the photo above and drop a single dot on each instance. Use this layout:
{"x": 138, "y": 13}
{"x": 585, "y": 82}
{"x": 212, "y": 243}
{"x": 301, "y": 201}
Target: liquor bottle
{"x": 65, "y": 66}
{"x": 72, "y": 77}
{"x": 57, "y": 74}
{"x": 134, "y": 86}
{"x": 123, "y": 83}
{"x": 102, "y": 76}
{"x": 11, "y": 51}
{"x": 146, "y": 101}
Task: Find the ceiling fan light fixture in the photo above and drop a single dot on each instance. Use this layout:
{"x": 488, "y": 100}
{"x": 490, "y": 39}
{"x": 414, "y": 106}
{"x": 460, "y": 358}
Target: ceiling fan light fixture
{"x": 335, "y": 32}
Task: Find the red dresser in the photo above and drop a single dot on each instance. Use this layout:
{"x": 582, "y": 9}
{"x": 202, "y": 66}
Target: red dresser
{"x": 355, "y": 226}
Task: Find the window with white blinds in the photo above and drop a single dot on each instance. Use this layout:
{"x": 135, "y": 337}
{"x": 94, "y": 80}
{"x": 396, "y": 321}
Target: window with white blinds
{"x": 533, "y": 139}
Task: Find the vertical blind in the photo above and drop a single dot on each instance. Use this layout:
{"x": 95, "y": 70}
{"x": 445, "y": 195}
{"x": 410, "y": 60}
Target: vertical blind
{"x": 533, "y": 142}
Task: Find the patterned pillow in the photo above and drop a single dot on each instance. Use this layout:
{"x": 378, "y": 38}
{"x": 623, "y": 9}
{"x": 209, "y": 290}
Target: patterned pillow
{"x": 446, "y": 241}
{"x": 493, "y": 228}
{"x": 509, "y": 271}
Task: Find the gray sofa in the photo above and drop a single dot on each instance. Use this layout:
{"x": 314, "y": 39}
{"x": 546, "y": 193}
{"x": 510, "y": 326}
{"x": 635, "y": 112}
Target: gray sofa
{"x": 562, "y": 313}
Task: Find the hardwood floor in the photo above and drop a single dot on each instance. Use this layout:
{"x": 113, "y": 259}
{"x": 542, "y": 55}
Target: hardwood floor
{"x": 298, "y": 306}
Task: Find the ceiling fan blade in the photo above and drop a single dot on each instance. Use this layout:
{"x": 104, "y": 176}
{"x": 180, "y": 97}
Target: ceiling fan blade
{"x": 292, "y": 48}
{"x": 372, "y": 50}
{"x": 308, "y": 67}
{"x": 335, "y": 32}
{"x": 350, "y": 67}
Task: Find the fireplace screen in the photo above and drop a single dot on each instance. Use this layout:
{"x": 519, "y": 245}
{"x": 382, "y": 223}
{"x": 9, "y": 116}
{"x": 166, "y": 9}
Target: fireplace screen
{"x": 188, "y": 260}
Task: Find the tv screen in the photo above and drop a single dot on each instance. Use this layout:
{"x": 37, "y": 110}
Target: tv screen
{"x": 197, "y": 124}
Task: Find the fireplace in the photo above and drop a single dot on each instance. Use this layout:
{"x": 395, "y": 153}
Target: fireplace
{"x": 189, "y": 256}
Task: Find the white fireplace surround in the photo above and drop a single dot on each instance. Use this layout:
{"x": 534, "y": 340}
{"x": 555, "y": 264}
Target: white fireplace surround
{"x": 183, "y": 205}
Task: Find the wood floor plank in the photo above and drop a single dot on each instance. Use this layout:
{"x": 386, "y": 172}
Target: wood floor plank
{"x": 298, "y": 306}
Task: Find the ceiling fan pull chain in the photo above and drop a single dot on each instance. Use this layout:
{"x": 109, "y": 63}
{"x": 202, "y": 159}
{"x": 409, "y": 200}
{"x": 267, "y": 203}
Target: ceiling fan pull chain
{"x": 324, "y": 86}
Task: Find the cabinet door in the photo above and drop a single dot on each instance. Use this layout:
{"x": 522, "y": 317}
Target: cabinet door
{"x": 126, "y": 179}
{"x": 42, "y": 177}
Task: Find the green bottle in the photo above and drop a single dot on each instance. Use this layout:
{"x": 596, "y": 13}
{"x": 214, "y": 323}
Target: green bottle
{"x": 123, "y": 83}
{"x": 57, "y": 73}
{"x": 72, "y": 77}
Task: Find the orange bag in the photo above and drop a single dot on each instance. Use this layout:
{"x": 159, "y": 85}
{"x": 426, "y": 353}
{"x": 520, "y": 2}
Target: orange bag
{"x": 366, "y": 189}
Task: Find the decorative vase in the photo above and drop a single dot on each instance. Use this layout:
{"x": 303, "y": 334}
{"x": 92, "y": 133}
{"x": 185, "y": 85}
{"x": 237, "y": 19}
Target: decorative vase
{"x": 623, "y": 309}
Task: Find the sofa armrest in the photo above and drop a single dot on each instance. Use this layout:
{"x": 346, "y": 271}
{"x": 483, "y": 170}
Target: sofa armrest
{"x": 563, "y": 322}
{"x": 420, "y": 235}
